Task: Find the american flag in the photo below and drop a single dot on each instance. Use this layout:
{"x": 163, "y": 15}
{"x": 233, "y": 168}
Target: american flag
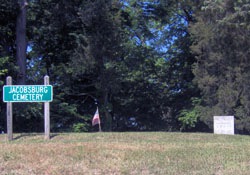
{"x": 96, "y": 118}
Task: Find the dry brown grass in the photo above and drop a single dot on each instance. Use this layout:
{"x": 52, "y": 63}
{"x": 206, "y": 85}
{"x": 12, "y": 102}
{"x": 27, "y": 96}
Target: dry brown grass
{"x": 125, "y": 153}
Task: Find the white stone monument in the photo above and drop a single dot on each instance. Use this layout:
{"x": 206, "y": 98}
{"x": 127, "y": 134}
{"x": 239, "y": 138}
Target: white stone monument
{"x": 224, "y": 125}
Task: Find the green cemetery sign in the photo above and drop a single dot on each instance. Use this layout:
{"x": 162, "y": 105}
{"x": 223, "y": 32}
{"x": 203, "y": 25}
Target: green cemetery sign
{"x": 27, "y": 93}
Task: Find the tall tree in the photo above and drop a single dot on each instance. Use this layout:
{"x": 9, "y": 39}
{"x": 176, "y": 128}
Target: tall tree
{"x": 7, "y": 48}
{"x": 222, "y": 69}
{"x": 158, "y": 61}
{"x": 53, "y": 26}
{"x": 21, "y": 43}
{"x": 100, "y": 50}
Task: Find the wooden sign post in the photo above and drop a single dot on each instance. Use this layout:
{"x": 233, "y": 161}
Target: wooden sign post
{"x": 46, "y": 113}
{"x": 28, "y": 93}
{"x": 9, "y": 114}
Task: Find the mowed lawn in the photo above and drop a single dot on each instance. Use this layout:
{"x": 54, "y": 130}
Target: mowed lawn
{"x": 135, "y": 153}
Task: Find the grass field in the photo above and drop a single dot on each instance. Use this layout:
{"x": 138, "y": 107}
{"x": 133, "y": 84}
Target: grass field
{"x": 135, "y": 153}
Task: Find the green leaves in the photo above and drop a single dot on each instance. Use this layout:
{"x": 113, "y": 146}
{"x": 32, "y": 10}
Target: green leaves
{"x": 188, "y": 119}
{"x": 221, "y": 35}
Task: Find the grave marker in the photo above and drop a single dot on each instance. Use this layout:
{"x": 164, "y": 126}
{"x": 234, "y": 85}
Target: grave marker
{"x": 224, "y": 125}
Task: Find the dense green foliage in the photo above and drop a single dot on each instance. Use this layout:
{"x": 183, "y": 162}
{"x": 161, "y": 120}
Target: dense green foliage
{"x": 222, "y": 35}
{"x": 148, "y": 65}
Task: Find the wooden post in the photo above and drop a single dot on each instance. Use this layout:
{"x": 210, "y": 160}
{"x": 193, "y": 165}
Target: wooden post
{"x": 9, "y": 114}
{"x": 46, "y": 113}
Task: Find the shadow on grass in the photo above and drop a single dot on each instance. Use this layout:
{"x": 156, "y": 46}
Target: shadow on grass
{"x": 33, "y": 134}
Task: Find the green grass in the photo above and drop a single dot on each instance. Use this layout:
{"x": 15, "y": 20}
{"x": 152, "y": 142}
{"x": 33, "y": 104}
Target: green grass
{"x": 125, "y": 153}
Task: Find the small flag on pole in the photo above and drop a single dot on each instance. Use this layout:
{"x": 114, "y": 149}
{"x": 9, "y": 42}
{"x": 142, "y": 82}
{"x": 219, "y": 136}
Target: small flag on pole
{"x": 96, "y": 118}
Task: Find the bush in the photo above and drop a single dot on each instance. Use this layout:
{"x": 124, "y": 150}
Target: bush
{"x": 79, "y": 127}
{"x": 188, "y": 119}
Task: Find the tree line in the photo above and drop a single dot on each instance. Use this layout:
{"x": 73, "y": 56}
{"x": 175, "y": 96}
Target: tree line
{"x": 156, "y": 65}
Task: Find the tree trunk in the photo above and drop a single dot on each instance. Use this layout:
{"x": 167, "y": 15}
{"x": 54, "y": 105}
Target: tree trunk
{"x": 21, "y": 44}
{"x": 108, "y": 117}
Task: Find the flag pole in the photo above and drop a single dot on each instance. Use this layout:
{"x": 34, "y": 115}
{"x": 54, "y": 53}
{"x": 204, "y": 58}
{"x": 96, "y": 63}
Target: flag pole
{"x": 100, "y": 129}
